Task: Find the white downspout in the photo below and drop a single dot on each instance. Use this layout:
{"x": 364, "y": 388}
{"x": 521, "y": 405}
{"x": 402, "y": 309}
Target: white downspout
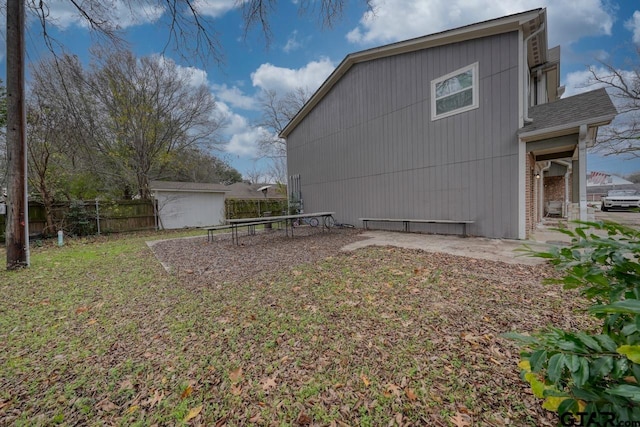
{"x": 527, "y": 78}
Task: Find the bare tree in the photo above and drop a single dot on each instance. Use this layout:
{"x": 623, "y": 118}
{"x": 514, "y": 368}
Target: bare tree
{"x": 198, "y": 165}
{"x": 130, "y": 116}
{"x": 257, "y": 13}
{"x": 48, "y": 145}
{"x": 254, "y": 175}
{"x": 189, "y": 31}
{"x": 623, "y": 136}
{"x": 277, "y": 170}
{"x": 277, "y": 112}
{"x": 153, "y": 111}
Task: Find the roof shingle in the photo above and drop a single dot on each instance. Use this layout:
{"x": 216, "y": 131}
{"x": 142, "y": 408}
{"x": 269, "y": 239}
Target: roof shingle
{"x": 586, "y": 108}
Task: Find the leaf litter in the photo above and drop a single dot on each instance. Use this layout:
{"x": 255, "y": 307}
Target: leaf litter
{"x": 293, "y": 331}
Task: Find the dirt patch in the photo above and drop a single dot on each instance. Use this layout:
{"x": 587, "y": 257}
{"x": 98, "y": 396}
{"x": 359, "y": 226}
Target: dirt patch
{"x": 202, "y": 262}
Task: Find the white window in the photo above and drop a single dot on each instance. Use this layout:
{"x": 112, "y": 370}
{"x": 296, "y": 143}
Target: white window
{"x": 455, "y": 93}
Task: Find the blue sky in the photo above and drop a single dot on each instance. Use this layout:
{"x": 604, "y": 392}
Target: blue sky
{"x": 303, "y": 54}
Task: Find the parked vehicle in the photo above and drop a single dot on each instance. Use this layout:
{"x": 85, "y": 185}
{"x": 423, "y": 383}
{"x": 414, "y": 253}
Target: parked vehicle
{"x": 620, "y": 199}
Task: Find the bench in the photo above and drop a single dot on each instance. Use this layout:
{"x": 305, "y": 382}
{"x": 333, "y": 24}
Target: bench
{"x": 211, "y": 230}
{"x": 406, "y": 222}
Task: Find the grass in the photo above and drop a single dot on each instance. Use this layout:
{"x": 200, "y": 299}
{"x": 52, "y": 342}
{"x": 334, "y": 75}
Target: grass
{"x": 97, "y": 333}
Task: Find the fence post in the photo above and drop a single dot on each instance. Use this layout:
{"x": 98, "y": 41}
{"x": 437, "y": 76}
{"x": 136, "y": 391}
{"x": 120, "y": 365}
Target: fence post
{"x": 98, "y": 215}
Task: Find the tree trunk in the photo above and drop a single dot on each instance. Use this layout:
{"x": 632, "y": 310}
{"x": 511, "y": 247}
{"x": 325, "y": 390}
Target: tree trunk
{"x": 17, "y": 230}
{"x": 47, "y": 201}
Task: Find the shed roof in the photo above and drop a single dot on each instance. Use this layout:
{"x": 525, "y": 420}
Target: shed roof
{"x": 593, "y": 108}
{"x": 529, "y": 22}
{"x": 190, "y": 187}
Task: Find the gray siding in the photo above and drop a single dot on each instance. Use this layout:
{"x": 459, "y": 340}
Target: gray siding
{"x": 370, "y": 149}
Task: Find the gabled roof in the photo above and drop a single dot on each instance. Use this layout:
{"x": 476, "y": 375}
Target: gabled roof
{"x": 529, "y": 22}
{"x": 565, "y": 116}
{"x": 191, "y": 187}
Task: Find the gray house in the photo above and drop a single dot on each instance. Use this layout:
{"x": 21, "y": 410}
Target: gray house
{"x": 465, "y": 124}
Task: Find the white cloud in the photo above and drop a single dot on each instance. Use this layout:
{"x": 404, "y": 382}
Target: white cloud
{"x": 243, "y": 139}
{"x": 195, "y": 76}
{"x": 235, "y": 97}
{"x": 393, "y": 20}
{"x": 282, "y": 80}
{"x": 580, "y": 81}
{"x": 215, "y": 8}
{"x": 292, "y": 43}
{"x": 63, "y": 14}
{"x": 633, "y": 24}
{"x": 247, "y": 143}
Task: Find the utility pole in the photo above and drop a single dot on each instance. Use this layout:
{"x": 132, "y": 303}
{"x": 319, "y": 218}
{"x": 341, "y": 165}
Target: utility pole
{"x": 17, "y": 231}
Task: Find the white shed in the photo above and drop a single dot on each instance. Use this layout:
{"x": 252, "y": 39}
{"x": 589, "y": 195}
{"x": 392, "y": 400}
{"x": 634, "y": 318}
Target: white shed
{"x": 188, "y": 204}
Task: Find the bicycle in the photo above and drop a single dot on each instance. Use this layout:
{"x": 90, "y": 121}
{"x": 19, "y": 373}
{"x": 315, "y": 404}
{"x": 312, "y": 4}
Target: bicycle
{"x": 312, "y": 222}
{"x": 330, "y": 221}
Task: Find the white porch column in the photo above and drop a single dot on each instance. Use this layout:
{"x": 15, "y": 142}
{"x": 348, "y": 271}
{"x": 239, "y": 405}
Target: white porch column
{"x": 522, "y": 189}
{"x": 582, "y": 171}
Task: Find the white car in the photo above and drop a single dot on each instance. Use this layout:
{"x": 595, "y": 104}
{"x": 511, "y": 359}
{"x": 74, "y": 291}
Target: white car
{"x": 619, "y": 199}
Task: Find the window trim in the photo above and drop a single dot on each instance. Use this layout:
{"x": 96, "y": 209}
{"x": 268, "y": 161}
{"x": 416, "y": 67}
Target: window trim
{"x": 474, "y": 92}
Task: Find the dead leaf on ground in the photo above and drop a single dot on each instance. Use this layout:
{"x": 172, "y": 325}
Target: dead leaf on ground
{"x": 193, "y": 412}
{"x": 155, "y": 399}
{"x": 365, "y": 380}
{"x": 411, "y": 394}
{"x": 392, "y": 390}
{"x": 236, "y": 375}
{"x": 303, "y": 419}
{"x": 236, "y": 390}
{"x": 106, "y": 405}
{"x": 269, "y": 383}
{"x": 82, "y": 309}
{"x": 461, "y": 420}
{"x": 126, "y": 384}
{"x": 186, "y": 392}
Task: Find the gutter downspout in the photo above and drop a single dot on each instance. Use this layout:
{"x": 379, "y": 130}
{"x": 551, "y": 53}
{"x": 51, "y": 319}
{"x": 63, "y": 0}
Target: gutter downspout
{"x": 527, "y": 78}
{"x": 565, "y": 205}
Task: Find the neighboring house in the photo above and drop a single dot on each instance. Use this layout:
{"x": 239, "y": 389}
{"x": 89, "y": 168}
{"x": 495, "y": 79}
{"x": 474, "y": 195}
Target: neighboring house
{"x": 245, "y": 191}
{"x": 188, "y": 204}
{"x": 600, "y": 183}
{"x": 454, "y": 125}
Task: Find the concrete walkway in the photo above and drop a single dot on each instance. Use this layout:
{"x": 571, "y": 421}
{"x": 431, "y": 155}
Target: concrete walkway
{"x": 474, "y": 247}
{"x": 504, "y": 250}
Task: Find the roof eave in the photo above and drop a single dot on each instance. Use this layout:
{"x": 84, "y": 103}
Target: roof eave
{"x": 469, "y": 32}
{"x": 565, "y": 129}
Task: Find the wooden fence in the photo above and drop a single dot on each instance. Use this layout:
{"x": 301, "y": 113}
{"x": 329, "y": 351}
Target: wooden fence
{"x": 97, "y": 217}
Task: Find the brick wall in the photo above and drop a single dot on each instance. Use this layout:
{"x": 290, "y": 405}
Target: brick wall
{"x": 530, "y": 197}
{"x": 554, "y": 189}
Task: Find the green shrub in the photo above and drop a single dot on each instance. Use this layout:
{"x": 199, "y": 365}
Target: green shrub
{"x": 592, "y": 378}
{"x": 79, "y": 223}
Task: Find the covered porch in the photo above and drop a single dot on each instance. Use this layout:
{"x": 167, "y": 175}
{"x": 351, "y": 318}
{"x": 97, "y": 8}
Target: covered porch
{"x": 555, "y": 145}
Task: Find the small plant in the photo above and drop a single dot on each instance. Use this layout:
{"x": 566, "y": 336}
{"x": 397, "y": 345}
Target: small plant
{"x": 78, "y": 218}
{"x": 592, "y": 379}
